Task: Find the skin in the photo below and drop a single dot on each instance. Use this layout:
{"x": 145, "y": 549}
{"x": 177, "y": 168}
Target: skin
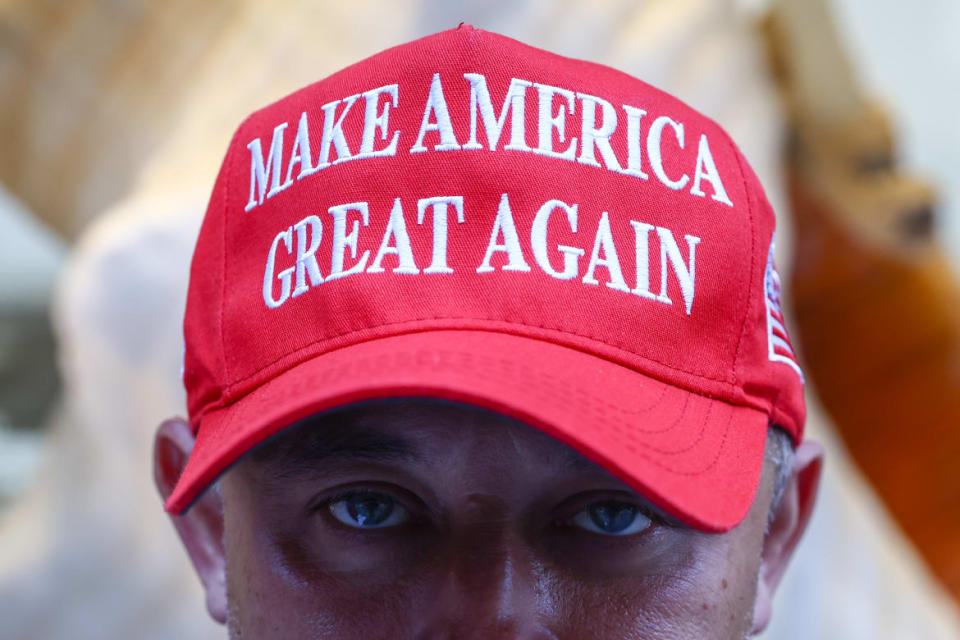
{"x": 477, "y": 526}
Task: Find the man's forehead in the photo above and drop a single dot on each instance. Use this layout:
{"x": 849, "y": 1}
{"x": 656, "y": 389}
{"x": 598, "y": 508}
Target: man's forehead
{"x": 409, "y": 431}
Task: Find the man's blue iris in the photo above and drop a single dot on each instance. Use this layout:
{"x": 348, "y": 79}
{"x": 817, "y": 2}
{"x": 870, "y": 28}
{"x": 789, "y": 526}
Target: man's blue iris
{"x": 369, "y": 510}
{"x": 612, "y": 517}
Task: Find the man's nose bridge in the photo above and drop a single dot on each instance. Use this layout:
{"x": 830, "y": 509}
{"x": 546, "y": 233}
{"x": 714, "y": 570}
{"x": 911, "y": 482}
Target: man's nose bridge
{"x": 494, "y": 590}
{"x": 484, "y": 544}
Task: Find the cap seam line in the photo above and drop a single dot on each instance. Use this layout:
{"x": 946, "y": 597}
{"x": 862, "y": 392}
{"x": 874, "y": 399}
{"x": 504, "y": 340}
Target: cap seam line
{"x": 507, "y": 322}
{"x": 234, "y": 384}
{"x": 746, "y": 313}
{"x": 614, "y": 427}
{"x": 223, "y": 262}
{"x": 475, "y": 318}
{"x": 688, "y": 446}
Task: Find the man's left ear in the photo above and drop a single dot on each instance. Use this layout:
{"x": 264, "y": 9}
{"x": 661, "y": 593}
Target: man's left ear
{"x": 787, "y": 525}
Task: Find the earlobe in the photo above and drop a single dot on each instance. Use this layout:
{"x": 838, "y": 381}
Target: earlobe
{"x": 201, "y": 527}
{"x": 787, "y": 525}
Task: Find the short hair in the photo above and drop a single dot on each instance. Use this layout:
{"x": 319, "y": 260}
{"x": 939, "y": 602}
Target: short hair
{"x": 781, "y": 454}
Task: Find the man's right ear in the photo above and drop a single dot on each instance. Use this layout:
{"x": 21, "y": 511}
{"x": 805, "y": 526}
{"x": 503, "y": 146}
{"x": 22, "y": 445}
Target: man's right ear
{"x": 201, "y": 527}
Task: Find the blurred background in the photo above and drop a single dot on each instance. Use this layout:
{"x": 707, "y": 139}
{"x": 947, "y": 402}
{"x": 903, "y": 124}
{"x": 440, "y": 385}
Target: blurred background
{"x": 114, "y": 115}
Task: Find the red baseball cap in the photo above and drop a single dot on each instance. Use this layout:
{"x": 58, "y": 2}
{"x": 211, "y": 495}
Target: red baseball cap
{"x": 469, "y": 218}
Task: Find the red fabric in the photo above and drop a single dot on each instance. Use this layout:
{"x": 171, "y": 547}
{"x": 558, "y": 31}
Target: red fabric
{"x": 250, "y": 369}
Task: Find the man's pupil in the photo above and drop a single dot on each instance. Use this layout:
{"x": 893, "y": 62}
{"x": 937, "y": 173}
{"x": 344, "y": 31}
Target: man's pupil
{"x": 369, "y": 510}
{"x": 612, "y": 516}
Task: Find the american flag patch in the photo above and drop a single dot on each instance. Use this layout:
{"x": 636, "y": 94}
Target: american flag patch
{"x": 778, "y": 342}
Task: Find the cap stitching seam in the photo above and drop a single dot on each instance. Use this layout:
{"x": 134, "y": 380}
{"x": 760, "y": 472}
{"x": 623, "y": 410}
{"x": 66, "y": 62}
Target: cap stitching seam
{"x": 485, "y": 319}
{"x": 609, "y": 406}
{"x": 637, "y": 411}
{"x": 686, "y": 448}
{"x": 223, "y": 247}
{"x": 702, "y": 470}
{"x": 612, "y": 426}
{"x": 238, "y": 381}
{"x": 699, "y": 437}
{"x": 746, "y": 313}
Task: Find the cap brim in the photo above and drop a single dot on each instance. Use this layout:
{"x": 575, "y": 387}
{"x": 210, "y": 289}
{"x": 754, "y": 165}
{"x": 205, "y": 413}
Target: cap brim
{"x": 697, "y": 458}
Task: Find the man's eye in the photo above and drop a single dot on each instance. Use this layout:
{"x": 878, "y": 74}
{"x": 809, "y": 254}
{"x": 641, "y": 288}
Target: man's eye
{"x": 612, "y": 518}
{"x": 368, "y": 510}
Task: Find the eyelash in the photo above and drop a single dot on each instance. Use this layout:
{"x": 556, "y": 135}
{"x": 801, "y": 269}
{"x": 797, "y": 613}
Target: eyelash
{"x": 323, "y": 507}
{"x": 565, "y": 522}
{"x": 579, "y": 505}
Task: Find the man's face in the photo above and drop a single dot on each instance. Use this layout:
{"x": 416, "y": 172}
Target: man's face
{"x": 419, "y": 520}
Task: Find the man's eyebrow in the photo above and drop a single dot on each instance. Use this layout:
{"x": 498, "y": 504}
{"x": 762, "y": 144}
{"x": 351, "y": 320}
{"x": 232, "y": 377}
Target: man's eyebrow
{"x": 308, "y": 447}
{"x": 577, "y": 462}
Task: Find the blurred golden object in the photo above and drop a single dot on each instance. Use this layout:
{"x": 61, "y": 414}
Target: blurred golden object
{"x": 875, "y": 300}
{"x": 88, "y": 90}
